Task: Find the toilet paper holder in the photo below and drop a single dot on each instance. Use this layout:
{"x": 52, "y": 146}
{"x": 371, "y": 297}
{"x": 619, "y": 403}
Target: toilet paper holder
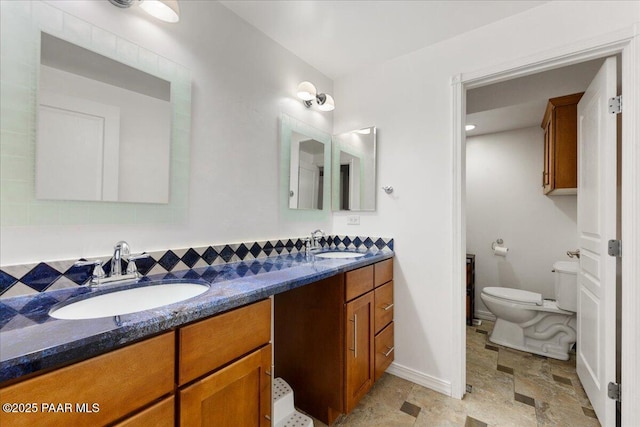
{"x": 496, "y": 243}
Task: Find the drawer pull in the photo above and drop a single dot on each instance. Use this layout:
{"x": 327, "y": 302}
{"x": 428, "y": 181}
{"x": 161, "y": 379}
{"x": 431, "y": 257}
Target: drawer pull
{"x": 268, "y": 417}
{"x": 388, "y": 352}
{"x": 268, "y": 373}
{"x": 387, "y": 307}
{"x": 355, "y": 336}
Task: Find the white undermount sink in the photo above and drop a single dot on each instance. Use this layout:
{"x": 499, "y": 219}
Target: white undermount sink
{"x": 129, "y": 301}
{"x": 339, "y": 255}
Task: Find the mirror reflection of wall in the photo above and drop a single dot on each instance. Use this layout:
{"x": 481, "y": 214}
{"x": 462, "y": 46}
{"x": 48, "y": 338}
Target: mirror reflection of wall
{"x": 104, "y": 128}
{"x": 354, "y": 170}
{"x": 306, "y": 187}
{"x": 305, "y": 171}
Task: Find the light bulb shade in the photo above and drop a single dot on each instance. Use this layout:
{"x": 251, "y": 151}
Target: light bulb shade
{"x": 165, "y": 10}
{"x": 306, "y": 91}
{"x": 325, "y": 102}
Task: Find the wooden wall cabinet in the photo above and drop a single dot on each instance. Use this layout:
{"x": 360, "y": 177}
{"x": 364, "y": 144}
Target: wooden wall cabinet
{"x": 560, "y": 167}
{"x": 335, "y": 338}
{"x": 218, "y": 373}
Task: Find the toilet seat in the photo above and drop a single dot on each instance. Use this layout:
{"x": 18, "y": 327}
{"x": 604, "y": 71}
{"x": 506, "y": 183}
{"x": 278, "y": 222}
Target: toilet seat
{"x": 515, "y": 295}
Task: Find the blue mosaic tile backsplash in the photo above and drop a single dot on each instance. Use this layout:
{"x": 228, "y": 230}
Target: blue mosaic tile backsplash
{"x": 32, "y": 278}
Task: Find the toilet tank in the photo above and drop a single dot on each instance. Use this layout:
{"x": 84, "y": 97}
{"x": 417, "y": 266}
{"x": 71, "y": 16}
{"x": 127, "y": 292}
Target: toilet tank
{"x": 566, "y": 285}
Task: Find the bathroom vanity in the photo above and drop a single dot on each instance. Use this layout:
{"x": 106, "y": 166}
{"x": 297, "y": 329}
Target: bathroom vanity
{"x": 334, "y": 338}
{"x": 181, "y": 364}
{"x": 184, "y": 375}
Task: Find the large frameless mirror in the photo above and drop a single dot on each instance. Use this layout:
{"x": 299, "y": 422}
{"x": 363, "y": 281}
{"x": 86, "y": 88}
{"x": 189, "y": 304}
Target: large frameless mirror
{"x": 354, "y": 170}
{"x": 104, "y": 128}
{"x": 64, "y": 82}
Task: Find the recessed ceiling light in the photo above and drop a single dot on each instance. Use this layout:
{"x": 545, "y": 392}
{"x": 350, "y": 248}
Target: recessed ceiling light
{"x": 469, "y": 127}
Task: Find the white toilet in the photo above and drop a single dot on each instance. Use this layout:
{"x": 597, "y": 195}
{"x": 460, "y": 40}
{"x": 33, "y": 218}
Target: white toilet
{"x": 527, "y": 322}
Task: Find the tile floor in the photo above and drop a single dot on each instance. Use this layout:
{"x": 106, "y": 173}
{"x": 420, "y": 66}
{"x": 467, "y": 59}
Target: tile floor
{"x": 509, "y": 388}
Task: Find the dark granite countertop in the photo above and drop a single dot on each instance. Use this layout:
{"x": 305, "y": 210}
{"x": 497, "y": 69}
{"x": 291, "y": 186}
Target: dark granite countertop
{"x": 31, "y": 340}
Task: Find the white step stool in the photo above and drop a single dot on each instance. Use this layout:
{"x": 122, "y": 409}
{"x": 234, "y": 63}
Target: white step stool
{"x": 284, "y": 413}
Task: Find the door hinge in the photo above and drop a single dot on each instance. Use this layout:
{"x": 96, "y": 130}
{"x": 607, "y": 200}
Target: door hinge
{"x": 614, "y": 392}
{"x": 615, "y": 105}
{"x": 615, "y": 248}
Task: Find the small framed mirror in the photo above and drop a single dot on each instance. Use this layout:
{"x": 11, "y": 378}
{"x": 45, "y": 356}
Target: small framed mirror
{"x": 306, "y": 175}
{"x": 354, "y": 170}
{"x": 306, "y": 153}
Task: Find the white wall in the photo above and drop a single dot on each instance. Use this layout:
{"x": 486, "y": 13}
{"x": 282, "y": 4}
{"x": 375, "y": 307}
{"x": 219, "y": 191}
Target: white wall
{"x": 242, "y": 82}
{"x": 409, "y": 100}
{"x": 505, "y": 200}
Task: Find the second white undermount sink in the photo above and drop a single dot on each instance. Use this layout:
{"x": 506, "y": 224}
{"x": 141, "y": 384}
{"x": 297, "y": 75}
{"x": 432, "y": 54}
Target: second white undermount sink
{"x": 339, "y": 255}
{"x": 129, "y": 301}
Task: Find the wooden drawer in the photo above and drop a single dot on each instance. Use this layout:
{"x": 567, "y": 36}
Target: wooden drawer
{"x": 159, "y": 415}
{"x": 119, "y": 382}
{"x": 211, "y": 343}
{"x": 237, "y": 395}
{"x": 383, "y": 272}
{"x": 384, "y": 306}
{"x": 358, "y": 282}
{"x": 384, "y": 350}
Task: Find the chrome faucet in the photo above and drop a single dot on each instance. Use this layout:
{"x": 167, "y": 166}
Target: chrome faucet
{"x": 315, "y": 240}
{"x": 120, "y": 251}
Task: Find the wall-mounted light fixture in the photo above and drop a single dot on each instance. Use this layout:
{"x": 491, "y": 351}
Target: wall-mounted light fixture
{"x": 307, "y": 92}
{"x": 165, "y": 10}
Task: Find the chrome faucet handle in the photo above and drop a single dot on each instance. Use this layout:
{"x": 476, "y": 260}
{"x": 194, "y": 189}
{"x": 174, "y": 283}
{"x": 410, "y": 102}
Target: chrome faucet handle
{"x": 575, "y": 253}
{"x": 132, "y": 268}
{"x": 315, "y": 238}
{"x": 307, "y": 244}
{"x": 98, "y": 271}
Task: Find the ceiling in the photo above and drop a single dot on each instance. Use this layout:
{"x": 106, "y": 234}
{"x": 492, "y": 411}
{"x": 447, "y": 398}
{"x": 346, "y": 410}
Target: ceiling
{"x": 339, "y": 37}
{"x": 521, "y": 102}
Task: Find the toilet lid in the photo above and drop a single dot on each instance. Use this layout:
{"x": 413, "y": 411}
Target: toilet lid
{"x": 517, "y": 295}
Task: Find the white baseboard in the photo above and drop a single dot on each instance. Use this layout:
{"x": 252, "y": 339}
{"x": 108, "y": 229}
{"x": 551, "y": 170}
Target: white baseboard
{"x": 484, "y": 315}
{"x": 420, "y": 378}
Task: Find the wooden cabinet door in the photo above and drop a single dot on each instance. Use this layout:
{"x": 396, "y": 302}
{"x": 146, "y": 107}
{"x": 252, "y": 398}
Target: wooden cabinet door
{"x": 359, "y": 349}
{"x": 159, "y": 415}
{"x": 546, "y": 173}
{"x": 237, "y": 395}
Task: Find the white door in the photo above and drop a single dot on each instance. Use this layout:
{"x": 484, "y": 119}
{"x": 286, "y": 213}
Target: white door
{"x": 307, "y": 186}
{"x": 596, "y": 347}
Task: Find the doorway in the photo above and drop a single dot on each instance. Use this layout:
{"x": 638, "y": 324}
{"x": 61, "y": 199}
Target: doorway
{"x": 532, "y": 229}
{"x": 627, "y": 45}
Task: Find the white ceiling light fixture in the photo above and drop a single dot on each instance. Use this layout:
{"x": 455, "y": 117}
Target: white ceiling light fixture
{"x": 469, "y": 127}
{"x": 307, "y": 92}
{"x": 165, "y": 10}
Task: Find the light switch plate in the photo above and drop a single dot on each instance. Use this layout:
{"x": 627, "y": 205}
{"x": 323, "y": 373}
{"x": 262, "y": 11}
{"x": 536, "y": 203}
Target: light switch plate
{"x": 353, "y": 220}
